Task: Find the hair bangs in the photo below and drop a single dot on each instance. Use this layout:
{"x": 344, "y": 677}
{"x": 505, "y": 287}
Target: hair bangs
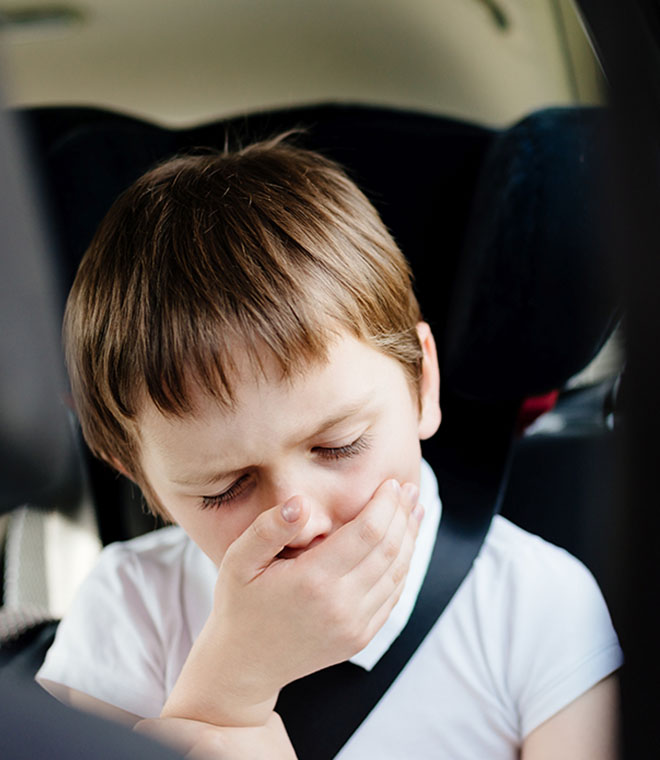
{"x": 213, "y": 262}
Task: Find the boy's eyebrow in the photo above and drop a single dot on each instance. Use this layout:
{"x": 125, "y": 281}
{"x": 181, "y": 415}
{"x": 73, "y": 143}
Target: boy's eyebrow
{"x": 341, "y": 415}
{"x": 336, "y": 418}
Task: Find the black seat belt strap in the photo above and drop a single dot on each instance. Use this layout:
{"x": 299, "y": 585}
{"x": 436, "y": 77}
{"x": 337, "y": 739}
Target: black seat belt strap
{"x": 322, "y": 710}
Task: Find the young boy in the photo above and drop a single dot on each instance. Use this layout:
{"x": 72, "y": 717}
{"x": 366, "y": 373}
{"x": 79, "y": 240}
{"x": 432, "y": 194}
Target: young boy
{"x": 244, "y": 343}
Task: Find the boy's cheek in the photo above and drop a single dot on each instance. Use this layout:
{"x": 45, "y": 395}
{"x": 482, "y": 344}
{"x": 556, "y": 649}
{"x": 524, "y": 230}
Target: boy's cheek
{"x": 404, "y": 465}
{"x": 362, "y": 491}
{"x": 213, "y": 530}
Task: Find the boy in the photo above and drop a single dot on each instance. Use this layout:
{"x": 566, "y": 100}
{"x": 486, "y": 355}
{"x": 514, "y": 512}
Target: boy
{"x": 244, "y": 343}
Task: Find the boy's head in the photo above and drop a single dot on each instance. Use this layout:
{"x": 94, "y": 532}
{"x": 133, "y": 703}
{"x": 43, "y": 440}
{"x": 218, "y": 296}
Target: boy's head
{"x": 263, "y": 258}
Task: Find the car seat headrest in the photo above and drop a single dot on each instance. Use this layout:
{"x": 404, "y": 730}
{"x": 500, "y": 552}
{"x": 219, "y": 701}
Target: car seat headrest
{"x": 534, "y": 299}
{"x": 511, "y": 275}
{"x": 419, "y": 170}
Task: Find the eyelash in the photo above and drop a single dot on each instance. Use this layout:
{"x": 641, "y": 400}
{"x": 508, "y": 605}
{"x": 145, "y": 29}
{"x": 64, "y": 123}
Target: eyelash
{"x": 231, "y": 493}
{"x": 331, "y": 453}
{"x": 343, "y": 452}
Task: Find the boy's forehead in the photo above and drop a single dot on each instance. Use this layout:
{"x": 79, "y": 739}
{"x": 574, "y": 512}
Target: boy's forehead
{"x": 320, "y": 393}
{"x": 345, "y": 393}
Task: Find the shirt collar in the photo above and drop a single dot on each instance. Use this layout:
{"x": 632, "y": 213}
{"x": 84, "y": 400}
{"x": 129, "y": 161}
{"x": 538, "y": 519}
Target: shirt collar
{"x": 419, "y": 564}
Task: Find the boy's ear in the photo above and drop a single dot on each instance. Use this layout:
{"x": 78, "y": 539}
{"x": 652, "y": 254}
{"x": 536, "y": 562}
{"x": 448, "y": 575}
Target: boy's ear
{"x": 429, "y": 387}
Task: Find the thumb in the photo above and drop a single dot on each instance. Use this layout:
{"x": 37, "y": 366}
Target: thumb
{"x": 265, "y": 538}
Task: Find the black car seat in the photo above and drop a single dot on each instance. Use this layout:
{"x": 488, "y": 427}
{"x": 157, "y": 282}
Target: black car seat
{"x": 87, "y": 157}
{"x": 536, "y": 267}
{"x": 501, "y": 230}
{"x": 500, "y": 225}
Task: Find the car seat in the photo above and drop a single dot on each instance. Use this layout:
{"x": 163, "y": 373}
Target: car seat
{"x": 501, "y": 230}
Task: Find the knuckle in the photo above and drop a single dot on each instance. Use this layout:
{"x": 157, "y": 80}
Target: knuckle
{"x": 352, "y": 635}
{"x": 344, "y": 623}
{"x": 371, "y": 533}
{"x": 361, "y": 638}
{"x": 399, "y": 572}
{"x": 210, "y": 742}
{"x": 391, "y": 549}
{"x": 230, "y": 559}
{"x": 313, "y": 586}
{"x": 262, "y": 531}
{"x": 397, "y": 594}
{"x": 339, "y": 617}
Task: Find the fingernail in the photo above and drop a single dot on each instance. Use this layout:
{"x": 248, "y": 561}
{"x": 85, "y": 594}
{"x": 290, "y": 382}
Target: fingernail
{"x": 291, "y": 509}
{"x": 395, "y": 486}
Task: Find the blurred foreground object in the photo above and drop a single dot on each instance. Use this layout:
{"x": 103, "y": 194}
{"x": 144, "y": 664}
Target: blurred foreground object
{"x": 627, "y": 39}
{"x": 34, "y": 725}
{"x": 38, "y": 459}
{"x": 38, "y": 456}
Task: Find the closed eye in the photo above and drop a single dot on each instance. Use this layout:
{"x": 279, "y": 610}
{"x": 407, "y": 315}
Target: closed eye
{"x": 233, "y": 492}
{"x": 358, "y": 446}
{"x": 329, "y": 453}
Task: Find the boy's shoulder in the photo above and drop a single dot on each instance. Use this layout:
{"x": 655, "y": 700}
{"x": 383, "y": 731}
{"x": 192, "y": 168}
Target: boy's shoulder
{"x": 505, "y": 537}
{"x": 524, "y": 559}
{"x": 520, "y": 576}
{"x": 155, "y": 555}
{"x": 508, "y": 544}
{"x": 539, "y": 621}
{"x": 152, "y": 545}
{"x": 149, "y": 571}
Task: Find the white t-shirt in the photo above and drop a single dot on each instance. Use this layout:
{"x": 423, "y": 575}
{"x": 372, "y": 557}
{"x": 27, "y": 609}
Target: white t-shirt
{"x": 526, "y": 633}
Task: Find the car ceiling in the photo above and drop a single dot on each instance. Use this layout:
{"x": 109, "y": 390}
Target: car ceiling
{"x": 186, "y": 61}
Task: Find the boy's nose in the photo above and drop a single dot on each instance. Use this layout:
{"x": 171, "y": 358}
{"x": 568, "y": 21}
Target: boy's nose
{"x": 322, "y": 520}
{"x": 319, "y": 526}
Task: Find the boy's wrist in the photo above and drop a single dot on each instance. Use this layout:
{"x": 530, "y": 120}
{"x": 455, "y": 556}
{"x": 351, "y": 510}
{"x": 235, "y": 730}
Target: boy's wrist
{"x": 225, "y": 712}
{"x": 219, "y": 684}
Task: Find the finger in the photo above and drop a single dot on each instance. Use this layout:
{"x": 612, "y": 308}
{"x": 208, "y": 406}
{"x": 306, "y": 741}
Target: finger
{"x": 350, "y": 544}
{"x": 377, "y": 551}
{"x": 264, "y": 539}
{"x": 378, "y": 602}
{"x": 392, "y": 547}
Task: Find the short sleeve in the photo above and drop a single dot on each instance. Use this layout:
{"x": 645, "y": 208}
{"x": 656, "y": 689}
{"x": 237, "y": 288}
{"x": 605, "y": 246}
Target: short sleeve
{"x": 109, "y": 645}
{"x": 561, "y": 638}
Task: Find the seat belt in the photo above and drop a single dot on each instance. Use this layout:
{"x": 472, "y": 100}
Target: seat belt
{"x": 322, "y": 710}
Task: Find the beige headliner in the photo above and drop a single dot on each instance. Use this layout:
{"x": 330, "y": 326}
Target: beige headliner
{"x": 185, "y": 61}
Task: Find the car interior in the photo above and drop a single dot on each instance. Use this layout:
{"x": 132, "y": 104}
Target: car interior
{"x": 492, "y": 194}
